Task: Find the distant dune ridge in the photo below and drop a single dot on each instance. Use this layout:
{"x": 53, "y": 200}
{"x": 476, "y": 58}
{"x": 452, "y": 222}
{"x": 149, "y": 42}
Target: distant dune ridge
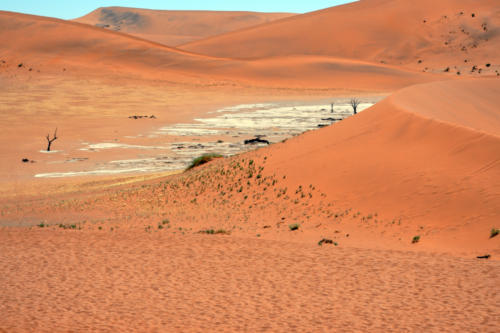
{"x": 370, "y": 45}
{"x": 396, "y": 32}
{"x": 51, "y": 44}
{"x": 175, "y": 27}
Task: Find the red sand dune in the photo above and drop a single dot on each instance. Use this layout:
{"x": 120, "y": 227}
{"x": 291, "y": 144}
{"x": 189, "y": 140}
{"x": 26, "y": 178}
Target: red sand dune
{"x": 428, "y": 154}
{"x": 49, "y": 45}
{"x": 427, "y": 168}
{"x": 383, "y": 176}
{"x": 175, "y": 27}
{"x": 387, "y": 31}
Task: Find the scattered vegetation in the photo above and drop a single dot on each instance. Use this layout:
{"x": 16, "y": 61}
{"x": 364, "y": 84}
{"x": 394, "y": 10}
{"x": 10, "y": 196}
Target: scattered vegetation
{"x": 214, "y": 232}
{"x": 240, "y": 191}
{"x": 494, "y": 232}
{"x": 327, "y": 241}
{"x": 68, "y": 226}
{"x": 415, "y": 239}
{"x": 205, "y": 158}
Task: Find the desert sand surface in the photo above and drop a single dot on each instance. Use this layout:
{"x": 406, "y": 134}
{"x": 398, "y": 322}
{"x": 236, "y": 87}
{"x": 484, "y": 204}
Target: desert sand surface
{"x": 62, "y": 281}
{"x": 51, "y": 46}
{"x": 426, "y": 35}
{"x": 175, "y": 27}
{"x": 374, "y": 222}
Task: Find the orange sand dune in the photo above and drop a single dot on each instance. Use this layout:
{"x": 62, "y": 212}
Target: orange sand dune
{"x": 174, "y": 27}
{"x": 52, "y": 46}
{"x": 419, "y": 156}
{"x": 425, "y": 35}
{"x": 132, "y": 258}
{"x": 47, "y": 44}
{"x": 374, "y": 180}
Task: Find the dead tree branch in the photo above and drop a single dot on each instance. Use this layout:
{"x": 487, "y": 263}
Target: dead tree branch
{"x": 49, "y": 140}
{"x": 354, "y": 103}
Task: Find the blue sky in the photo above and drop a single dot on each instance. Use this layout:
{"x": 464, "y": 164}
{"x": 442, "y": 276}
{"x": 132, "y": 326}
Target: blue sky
{"x": 75, "y": 8}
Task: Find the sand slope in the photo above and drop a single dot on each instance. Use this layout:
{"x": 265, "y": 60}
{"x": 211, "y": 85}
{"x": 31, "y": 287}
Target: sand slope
{"x": 374, "y": 180}
{"x": 430, "y": 161}
{"x": 439, "y": 34}
{"x": 51, "y": 46}
{"x": 46, "y": 42}
{"x": 174, "y": 27}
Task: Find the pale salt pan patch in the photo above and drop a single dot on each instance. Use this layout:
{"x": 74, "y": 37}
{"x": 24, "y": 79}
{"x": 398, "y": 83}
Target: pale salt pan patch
{"x": 86, "y": 173}
{"x": 246, "y": 120}
{"x": 264, "y": 119}
{"x": 245, "y": 107}
{"x": 109, "y": 145}
{"x": 50, "y": 152}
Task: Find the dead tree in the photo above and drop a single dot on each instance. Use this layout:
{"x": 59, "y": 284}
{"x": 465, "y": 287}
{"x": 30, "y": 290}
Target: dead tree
{"x": 354, "y": 103}
{"x": 331, "y": 108}
{"x": 49, "y": 140}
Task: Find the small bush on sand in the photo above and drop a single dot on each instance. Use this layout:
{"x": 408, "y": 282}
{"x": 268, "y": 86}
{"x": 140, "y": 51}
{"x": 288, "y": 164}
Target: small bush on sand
{"x": 415, "y": 239}
{"x": 294, "y": 226}
{"x": 214, "y": 232}
{"x": 327, "y": 241}
{"x": 494, "y": 232}
{"x": 205, "y": 158}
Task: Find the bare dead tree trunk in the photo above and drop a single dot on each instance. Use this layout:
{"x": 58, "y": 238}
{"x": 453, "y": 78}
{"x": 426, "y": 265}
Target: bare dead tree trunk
{"x": 331, "y": 108}
{"x": 49, "y": 140}
{"x": 354, "y": 103}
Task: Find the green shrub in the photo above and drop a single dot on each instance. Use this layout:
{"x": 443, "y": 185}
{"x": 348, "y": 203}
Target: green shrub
{"x": 294, "y": 226}
{"x": 494, "y": 232}
{"x": 415, "y": 239}
{"x": 205, "y": 158}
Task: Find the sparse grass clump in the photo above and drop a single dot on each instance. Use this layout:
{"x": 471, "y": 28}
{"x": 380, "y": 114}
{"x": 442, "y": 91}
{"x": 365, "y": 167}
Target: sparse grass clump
{"x": 415, "y": 239}
{"x": 214, "y": 232}
{"x": 205, "y": 158}
{"x": 494, "y": 232}
{"x": 294, "y": 226}
{"x": 67, "y": 226}
{"x": 327, "y": 241}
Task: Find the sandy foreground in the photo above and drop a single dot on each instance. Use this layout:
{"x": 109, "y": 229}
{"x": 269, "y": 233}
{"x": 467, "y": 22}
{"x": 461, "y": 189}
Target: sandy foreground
{"x": 62, "y": 281}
